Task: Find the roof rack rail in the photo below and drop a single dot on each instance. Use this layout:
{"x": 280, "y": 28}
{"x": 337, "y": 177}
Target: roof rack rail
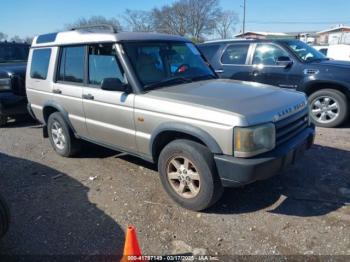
{"x": 110, "y": 27}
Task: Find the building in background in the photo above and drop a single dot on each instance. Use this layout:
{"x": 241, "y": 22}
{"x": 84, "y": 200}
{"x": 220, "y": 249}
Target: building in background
{"x": 334, "y": 36}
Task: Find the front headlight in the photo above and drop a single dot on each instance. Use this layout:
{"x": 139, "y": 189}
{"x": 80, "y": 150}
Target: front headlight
{"x": 250, "y": 141}
{"x": 5, "y": 84}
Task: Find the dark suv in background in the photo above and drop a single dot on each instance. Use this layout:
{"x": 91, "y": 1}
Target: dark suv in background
{"x": 13, "y": 61}
{"x": 287, "y": 64}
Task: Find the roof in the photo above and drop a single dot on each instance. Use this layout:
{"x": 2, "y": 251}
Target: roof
{"x": 226, "y": 40}
{"x": 340, "y": 27}
{"x": 262, "y": 33}
{"x": 88, "y": 36}
{"x": 242, "y": 40}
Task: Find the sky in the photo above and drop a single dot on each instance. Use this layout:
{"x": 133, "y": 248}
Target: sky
{"x": 31, "y": 17}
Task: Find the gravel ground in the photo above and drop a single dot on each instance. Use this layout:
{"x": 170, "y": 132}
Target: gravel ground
{"x": 83, "y": 205}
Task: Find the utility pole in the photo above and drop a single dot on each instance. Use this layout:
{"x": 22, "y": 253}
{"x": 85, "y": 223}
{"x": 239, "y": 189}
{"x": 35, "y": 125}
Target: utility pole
{"x": 244, "y": 11}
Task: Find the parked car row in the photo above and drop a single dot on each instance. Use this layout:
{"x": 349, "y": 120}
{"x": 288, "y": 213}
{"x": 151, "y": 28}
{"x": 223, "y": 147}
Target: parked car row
{"x": 155, "y": 96}
{"x": 288, "y": 64}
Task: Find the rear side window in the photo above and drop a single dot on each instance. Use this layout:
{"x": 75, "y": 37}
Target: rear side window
{"x": 235, "y": 54}
{"x": 71, "y": 67}
{"x": 209, "y": 51}
{"x": 40, "y": 63}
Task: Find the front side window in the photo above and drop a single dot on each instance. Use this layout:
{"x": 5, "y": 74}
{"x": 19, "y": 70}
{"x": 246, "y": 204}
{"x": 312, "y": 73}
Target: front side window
{"x": 235, "y": 54}
{"x": 103, "y": 63}
{"x": 164, "y": 63}
{"x": 71, "y": 68}
{"x": 267, "y": 54}
{"x": 40, "y": 63}
{"x": 305, "y": 52}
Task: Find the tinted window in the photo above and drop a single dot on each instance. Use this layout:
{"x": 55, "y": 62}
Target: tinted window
{"x": 71, "y": 67}
{"x": 103, "y": 64}
{"x": 40, "y": 63}
{"x": 209, "y": 51}
{"x": 267, "y": 54}
{"x": 235, "y": 54}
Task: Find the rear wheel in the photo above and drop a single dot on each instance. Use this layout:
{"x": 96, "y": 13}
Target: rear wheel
{"x": 188, "y": 174}
{"x": 61, "y": 137}
{"x": 3, "y": 120}
{"x": 4, "y": 217}
{"x": 328, "y": 108}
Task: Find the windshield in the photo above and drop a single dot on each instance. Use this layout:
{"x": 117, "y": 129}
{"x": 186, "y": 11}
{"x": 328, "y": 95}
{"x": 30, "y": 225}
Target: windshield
{"x": 160, "y": 64}
{"x": 306, "y": 52}
{"x": 13, "y": 52}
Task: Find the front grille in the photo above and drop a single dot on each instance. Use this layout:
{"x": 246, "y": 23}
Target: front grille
{"x": 291, "y": 126}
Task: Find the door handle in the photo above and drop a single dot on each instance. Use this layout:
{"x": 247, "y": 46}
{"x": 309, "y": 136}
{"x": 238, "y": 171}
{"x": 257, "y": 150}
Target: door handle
{"x": 88, "y": 97}
{"x": 57, "y": 91}
{"x": 219, "y": 71}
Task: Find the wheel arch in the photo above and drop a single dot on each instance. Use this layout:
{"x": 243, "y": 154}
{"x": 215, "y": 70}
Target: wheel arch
{"x": 319, "y": 85}
{"x": 52, "y": 107}
{"x": 167, "y": 132}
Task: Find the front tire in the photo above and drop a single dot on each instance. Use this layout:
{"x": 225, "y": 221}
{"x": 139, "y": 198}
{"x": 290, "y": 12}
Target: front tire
{"x": 61, "y": 137}
{"x": 4, "y": 217}
{"x": 188, "y": 174}
{"x": 328, "y": 108}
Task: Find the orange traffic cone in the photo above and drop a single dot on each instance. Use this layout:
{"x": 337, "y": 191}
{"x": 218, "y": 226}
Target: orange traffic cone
{"x": 131, "y": 247}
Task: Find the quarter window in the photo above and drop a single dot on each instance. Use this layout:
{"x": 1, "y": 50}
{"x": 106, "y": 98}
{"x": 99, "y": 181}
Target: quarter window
{"x": 40, "y": 63}
{"x": 71, "y": 68}
{"x": 103, "y": 64}
{"x": 267, "y": 54}
{"x": 235, "y": 54}
{"x": 209, "y": 51}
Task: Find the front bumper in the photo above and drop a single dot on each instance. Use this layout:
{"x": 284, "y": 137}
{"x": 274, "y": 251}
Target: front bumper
{"x": 235, "y": 172}
{"x": 12, "y": 105}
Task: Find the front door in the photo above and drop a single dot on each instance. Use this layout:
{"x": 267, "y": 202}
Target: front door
{"x": 109, "y": 114}
{"x": 265, "y": 68}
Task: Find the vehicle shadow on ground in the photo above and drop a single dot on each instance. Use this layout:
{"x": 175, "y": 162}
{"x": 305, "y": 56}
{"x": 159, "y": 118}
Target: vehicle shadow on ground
{"x": 51, "y": 214}
{"x": 312, "y": 187}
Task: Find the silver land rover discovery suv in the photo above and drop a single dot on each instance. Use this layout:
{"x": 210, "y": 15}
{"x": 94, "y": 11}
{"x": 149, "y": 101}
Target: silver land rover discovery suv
{"x": 155, "y": 96}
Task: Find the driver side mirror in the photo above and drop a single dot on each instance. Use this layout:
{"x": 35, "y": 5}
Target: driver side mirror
{"x": 113, "y": 84}
{"x": 284, "y": 61}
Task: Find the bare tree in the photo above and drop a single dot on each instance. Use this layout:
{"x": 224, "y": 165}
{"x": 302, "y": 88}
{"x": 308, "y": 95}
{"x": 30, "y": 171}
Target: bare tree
{"x": 16, "y": 39}
{"x": 138, "y": 20}
{"x": 225, "y": 23}
{"x": 95, "y": 20}
{"x": 202, "y": 15}
{"x": 3, "y": 36}
{"x": 171, "y": 19}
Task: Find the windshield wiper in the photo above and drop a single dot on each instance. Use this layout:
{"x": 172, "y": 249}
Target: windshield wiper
{"x": 167, "y": 81}
{"x": 203, "y": 77}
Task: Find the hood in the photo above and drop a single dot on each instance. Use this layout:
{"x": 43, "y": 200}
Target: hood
{"x": 257, "y": 103}
{"x": 333, "y": 63}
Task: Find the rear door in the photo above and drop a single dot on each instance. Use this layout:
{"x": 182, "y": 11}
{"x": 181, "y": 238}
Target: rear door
{"x": 233, "y": 62}
{"x": 68, "y": 85}
{"x": 109, "y": 114}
